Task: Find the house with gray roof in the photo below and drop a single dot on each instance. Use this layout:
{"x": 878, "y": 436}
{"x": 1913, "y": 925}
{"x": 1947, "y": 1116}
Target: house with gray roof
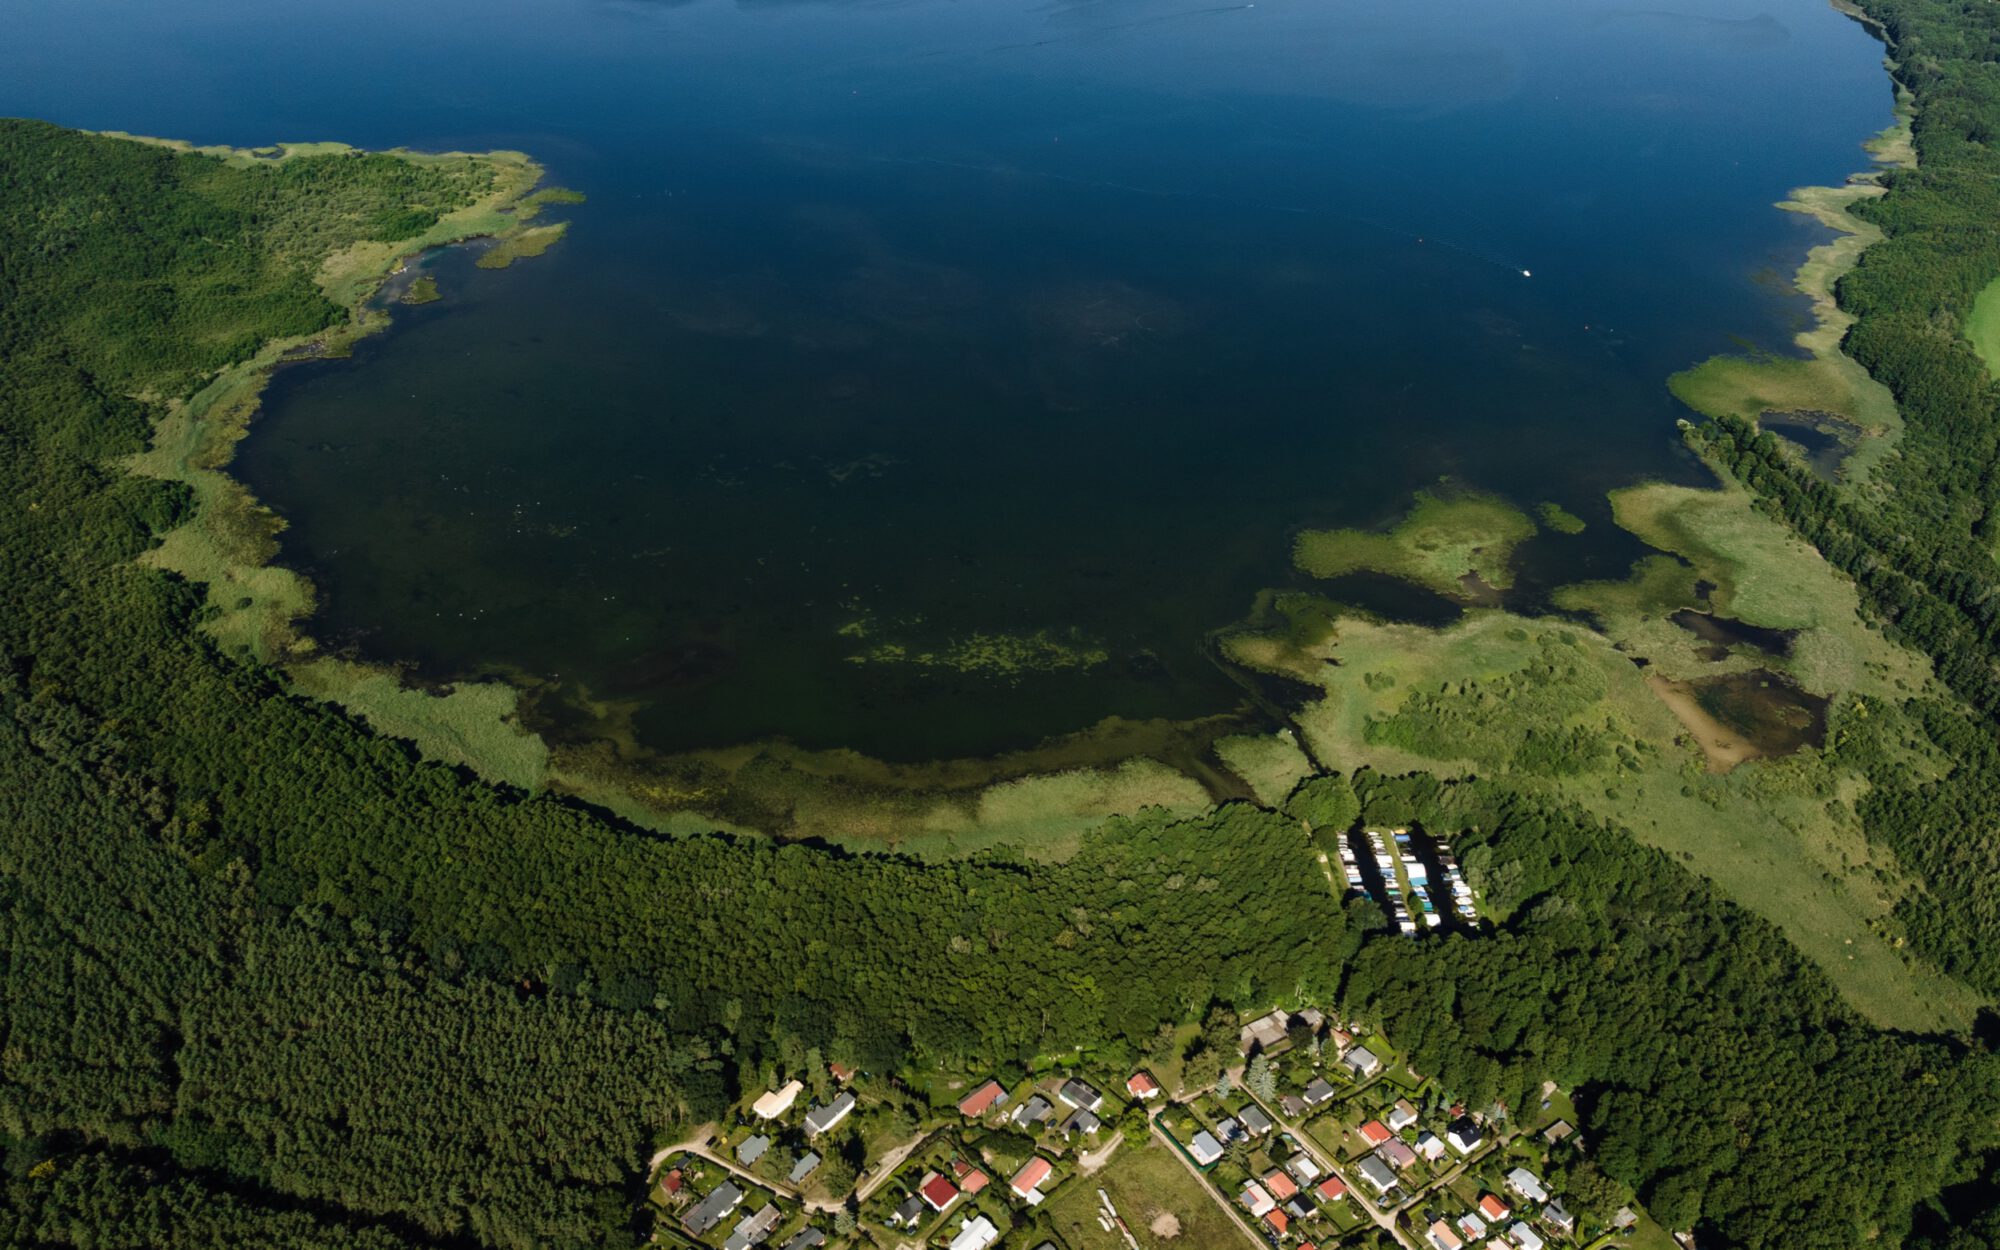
{"x": 807, "y": 1163}
{"x": 1376, "y": 1173}
{"x": 707, "y": 1213}
{"x": 1076, "y": 1094}
{"x": 1255, "y": 1122}
{"x": 753, "y": 1229}
{"x": 808, "y": 1239}
{"x": 1362, "y": 1061}
{"x": 1081, "y": 1121}
{"x": 1317, "y": 1092}
{"x": 1204, "y": 1148}
{"x": 1034, "y": 1111}
{"x": 752, "y": 1149}
{"x": 820, "y": 1119}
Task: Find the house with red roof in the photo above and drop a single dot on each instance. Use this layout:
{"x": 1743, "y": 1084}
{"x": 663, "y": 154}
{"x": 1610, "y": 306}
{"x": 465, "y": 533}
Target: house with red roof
{"x": 1332, "y": 1189}
{"x": 982, "y": 1100}
{"x": 1028, "y": 1180}
{"x": 1142, "y": 1085}
{"x": 936, "y": 1191}
{"x": 1375, "y": 1132}
{"x": 1280, "y": 1186}
{"x": 1493, "y": 1209}
{"x": 1278, "y": 1220}
{"x": 970, "y": 1179}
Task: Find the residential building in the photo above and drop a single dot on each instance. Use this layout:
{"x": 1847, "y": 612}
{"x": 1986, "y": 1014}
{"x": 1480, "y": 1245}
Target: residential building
{"x": 820, "y": 1119}
{"x": 970, "y": 1179}
{"x": 1362, "y": 1062}
{"x": 778, "y": 1101}
{"x": 1397, "y": 1153}
{"x": 1332, "y": 1189}
{"x": 976, "y": 1233}
{"x": 1493, "y": 1208}
{"x": 1028, "y": 1181}
{"x": 1204, "y": 1149}
{"x": 908, "y": 1212}
{"x": 1255, "y": 1122}
{"x": 1081, "y": 1120}
{"x": 1229, "y": 1130}
{"x": 1318, "y": 1092}
{"x": 752, "y": 1149}
{"x": 1430, "y": 1146}
{"x": 1278, "y": 1220}
{"x": 808, "y": 1239}
{"x": 936, "y": 1191}
{"x": 753, "y": 1229}
{"x": 1305, "y": 1167}
{"x": 1280, "y": 1186}
{"x": 1141, "y": 1085}
{"x": 1263, "y": 1034}
{"x": 982, "y": 1100}
{"x": 808, "y": 1163}
{"x": 1442, "y": 1237}
{"x": 1524, "y": 1183}
{"x": 1255, "y": 1199}
{"x": 1401, "y": 1116}
{"x": 1075, "y": 1093}
{"x": 1374, "y": 1133}
{"x": 1472, "y": 1226}
{"x": 1036, "y": 1110}
{"x": 1524, "y": 1237}
{"x": 1376, "y": 1173}
{"x": 710, "y": 1211}
{"x": 1292, "y": 1106}
{"x": 1464, "y": 1136}
{"x": 1556, "y": 1217}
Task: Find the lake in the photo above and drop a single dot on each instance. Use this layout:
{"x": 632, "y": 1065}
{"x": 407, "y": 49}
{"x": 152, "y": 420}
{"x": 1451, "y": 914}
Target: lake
{"x": 933, "y": 377}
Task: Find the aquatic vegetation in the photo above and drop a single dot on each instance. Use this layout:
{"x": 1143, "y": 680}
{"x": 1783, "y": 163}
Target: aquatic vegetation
{"x": 1450, "y": 543}
{"x": 424, "y": 290}
{"x": 1004, "y": 655}
{"x": 1559, "y": 519}
{"x": 521, "y": 244}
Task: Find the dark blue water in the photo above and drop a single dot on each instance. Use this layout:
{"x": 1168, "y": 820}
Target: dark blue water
{"x": 1019, "y": 336}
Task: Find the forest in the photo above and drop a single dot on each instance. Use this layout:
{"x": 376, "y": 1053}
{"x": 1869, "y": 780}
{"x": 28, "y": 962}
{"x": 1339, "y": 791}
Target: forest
{"x": 272, "y": 978}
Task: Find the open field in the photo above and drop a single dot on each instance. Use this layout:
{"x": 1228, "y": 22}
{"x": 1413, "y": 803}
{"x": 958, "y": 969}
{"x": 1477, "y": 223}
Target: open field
{"x": 1165, "y": 1207}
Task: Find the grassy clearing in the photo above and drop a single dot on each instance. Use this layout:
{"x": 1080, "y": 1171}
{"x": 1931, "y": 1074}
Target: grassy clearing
{"x": 1444, "y": 543}
{"x": 1165, "y": 1207}
{"x": 1272, "y": 765}
{"x": 1982, "y": 326}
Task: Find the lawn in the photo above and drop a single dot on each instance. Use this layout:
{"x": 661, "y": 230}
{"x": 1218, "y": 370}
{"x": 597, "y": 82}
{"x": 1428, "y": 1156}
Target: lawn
{"x": 1165, "y": 1207}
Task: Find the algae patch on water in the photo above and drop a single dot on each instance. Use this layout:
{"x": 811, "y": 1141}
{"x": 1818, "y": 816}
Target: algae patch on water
{"x": 1457, "y": 545}
{"x": 1003, "y": 655}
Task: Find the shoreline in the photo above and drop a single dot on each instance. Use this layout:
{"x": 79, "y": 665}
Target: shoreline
{"x": 230, "y": 541}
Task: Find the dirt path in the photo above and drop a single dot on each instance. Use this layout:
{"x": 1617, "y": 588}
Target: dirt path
{"x": 1091, "y": 1160}
{"x": 698, "y": 1147}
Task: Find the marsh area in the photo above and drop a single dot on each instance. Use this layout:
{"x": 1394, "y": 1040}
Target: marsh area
{"x": 932, "y": 380}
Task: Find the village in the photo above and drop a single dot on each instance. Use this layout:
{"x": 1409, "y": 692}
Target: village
{"x": 1319, "y": 1136}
